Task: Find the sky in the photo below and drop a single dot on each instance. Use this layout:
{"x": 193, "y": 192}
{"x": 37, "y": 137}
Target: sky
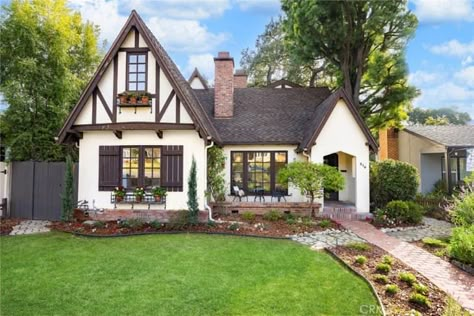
{"x": 440, "y": 56}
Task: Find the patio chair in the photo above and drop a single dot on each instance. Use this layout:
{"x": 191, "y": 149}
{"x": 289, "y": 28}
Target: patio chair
{"x": 239, "y": 193}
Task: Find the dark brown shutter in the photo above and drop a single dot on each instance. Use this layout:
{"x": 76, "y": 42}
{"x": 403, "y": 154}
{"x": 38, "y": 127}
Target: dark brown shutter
{"x": 172, "y": 168}
{"x": 109, "y": 167}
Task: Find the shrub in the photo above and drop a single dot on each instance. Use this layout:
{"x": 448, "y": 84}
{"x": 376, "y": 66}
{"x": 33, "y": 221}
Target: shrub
{"x": 234, "y": 226}
{"x": 155, "y": 224}
{"x": 380, "y": 278}
{"x": 360, "y": 260}
{"x": 325, "y": 223}
{"x": 407, "y": 277}
{"x": 400, "y": 212}
{"x": 388, "y": 260}
{"x": 291, "y": 221}
{"x": 272, "y": 216}
{"x": 248, "y": 216}
{"x": 307, "y": 221}
{"x": 461, "y": 246}
{"x": 193, "y": 204}
{"x": 99, "y": 224}
{"x": 420, "y": 299}
{"x": 463, "y": 209}
{"x": 179, "y": 219}
{"x": 392, "y": 180}
{"x": 441, "y": 252}
{"x": 420, "y": 288}
{"x": 361, "y": 246}
{"x": 383, "y": 268}
{"x": 454, "y": 309}
{"x": 392, "y": 289}
{"x": 415, "y": 213}
{"x": 434, "y": 243}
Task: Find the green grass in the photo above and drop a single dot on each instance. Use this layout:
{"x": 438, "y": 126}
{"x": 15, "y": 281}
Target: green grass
{"x": 61, "y": 274}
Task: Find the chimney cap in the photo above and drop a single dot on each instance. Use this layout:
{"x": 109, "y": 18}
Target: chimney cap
{"x": 224, "y": 56}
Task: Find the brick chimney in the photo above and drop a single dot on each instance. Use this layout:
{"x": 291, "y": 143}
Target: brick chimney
{"x": 240, "y": 79}
{"x": 388, "y": 144}
{"x": 224, "y": 85}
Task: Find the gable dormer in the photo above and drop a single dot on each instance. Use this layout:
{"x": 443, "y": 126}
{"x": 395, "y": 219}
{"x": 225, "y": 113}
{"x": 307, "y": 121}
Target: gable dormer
{"x": 137, "y": 86}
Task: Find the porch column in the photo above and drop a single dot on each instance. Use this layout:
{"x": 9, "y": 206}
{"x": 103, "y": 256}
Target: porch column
{"x": 446, "y": 167}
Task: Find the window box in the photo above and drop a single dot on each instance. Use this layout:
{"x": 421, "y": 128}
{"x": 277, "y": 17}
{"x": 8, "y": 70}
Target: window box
{"x": 130, "y": 198}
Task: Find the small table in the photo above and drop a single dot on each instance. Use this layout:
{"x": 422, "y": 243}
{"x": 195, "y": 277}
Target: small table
{"x": 260, "y": 194}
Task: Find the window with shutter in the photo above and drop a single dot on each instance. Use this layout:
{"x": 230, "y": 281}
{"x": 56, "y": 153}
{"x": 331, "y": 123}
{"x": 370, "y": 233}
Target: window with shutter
{"x": 172, "y": 168}
{"x": 109, "y": 167}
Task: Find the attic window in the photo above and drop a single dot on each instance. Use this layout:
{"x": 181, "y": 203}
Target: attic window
{"x": 136, "y": 72}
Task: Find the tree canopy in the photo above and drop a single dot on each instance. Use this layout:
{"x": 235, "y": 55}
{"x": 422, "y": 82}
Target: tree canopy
{"x": 47, "y": 55}
{"x": 441, "y": 116}
{"x": 365, "y": 42}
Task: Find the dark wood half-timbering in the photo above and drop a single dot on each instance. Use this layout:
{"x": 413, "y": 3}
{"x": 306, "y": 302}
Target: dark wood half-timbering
{"x": 94, "y": 107}
{"x": 165, "y": 106}
{"x": 109, "y": 167}
{"x": 104, "y": 104}
{"x": 178, "y": 111}
{"x": 137, "y": 38}
{"x": 172, "y": 168}
{"x": 157, "y": 92}
{"x": 114, "y": 100}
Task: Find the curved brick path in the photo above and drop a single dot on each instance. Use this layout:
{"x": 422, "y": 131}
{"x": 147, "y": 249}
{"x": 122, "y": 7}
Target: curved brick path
{"x": 447, "y": 277}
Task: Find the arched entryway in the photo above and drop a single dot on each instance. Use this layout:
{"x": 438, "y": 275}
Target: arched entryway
{"x": 346, "y": 164}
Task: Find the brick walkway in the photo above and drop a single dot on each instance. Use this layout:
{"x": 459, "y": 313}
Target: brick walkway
{"x": 450, "y": 279}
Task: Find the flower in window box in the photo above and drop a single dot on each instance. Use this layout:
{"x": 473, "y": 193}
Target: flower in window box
{"x": 139, "y": 194}
{"x": 159, "y": 193}
{"x": 123, "y": 97}
{"x": 119, "y": 193}
{"x": 145, "y": 97}
{"x": 133, "y": 98}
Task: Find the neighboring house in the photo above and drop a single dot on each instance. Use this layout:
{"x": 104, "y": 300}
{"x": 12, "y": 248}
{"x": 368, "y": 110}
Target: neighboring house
{"x": 432, "y": 150}
{"x": 260, "y": 129}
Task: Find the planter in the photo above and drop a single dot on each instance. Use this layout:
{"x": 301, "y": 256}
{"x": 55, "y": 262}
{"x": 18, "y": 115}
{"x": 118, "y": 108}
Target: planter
{"x": 145, "y": 100}
{"x": 133, "y": 100}
{"x": 157, "y": 198}
{"x": 123, "y": 99}
{"x": 138, "y": 198}
{"x": 118, "y": 198}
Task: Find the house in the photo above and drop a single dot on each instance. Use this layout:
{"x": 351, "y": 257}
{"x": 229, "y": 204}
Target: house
{"x": 153, "y": 143}
{"x": 438, "y": 152}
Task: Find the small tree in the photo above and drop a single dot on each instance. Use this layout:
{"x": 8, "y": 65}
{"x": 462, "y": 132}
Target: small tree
{"x": 68, "y": 192}
{"x": 311, "y": 178}
{"x": 193, "y": 205}
{"x": 215, "y": 173}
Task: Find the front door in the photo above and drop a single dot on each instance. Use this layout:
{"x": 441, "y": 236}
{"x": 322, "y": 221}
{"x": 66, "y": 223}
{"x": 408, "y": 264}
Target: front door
{"x": 332, "y": 160}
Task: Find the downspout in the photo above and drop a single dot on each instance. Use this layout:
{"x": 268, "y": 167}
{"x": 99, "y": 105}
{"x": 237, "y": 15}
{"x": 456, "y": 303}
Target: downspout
{"x": 207, "y": 207}
{"x": 305, "y": 153}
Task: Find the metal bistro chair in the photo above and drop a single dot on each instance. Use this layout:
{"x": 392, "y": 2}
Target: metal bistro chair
{"x": 239, "y": 193}
{"x": 278, "y": 195}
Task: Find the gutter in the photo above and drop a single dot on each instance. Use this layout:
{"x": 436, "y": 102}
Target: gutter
{"x": 206, "y": 206}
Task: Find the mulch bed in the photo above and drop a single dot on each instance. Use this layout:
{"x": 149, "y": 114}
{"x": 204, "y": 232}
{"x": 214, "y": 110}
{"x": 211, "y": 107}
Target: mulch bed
{"x": 256, "y": 227}
{"x": 6, "y": 225}
{"x": 397, "y": 304}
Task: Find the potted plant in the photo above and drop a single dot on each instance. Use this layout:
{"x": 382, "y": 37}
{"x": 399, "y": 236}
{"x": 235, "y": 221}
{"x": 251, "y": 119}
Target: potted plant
{"x": 139, "y": 194}
{"x": 123, "y": 97}
{"x": 119, "y": 193}
{"x": 159, "y": 193}
{"x": 133, "y": 98}
{"x": 145, "y": 96}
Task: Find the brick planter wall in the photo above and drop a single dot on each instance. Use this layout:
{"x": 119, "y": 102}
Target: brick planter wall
{"x": 147, "y": 215}
{"x": 302, "y": 209}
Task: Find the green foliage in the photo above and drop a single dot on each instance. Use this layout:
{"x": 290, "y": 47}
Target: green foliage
{"x": 47, "y": 55}
{"x": 434, "y": 243}
{"x": 361, "y": 246}
{"x": 461, "y": 246}
{"x": 193, "y": 205}
{"x": 392, "y": 289}
{"x": 273, "y": 216}
{"x": 159, "y": 191}
{"x": 311, "y": 178}
{"x": 388, "y": 260}
{"x": 462, "y": 213}
{"x": 67, "y": 197}
{"x": 325, "y": 223}
{"x": 133, "y": 223}
{"x": 364, "y": 41}
{"x": 99, "y": 224}
{"x": 420, "y": 299}
{"x": 156, "y": 224}
{"x": 179, "y": 220}
{"x": 441, "y": 115}
{"x": 361, "y": 260}
{"x": 380, "y": 278}
{"x": 454, "y": 309}
{"x": 400, "y": 212}
{"x": 383, "y": 268}
{"x": 420, "y": 288}
{"x": 407, "y": 277}
{"x": 392, "y": 180}
{"x": 291, "y": 221}
{"x": 215, "y": 173}
{"x": 234, "y": 226}
{"x": 248, "y": 216}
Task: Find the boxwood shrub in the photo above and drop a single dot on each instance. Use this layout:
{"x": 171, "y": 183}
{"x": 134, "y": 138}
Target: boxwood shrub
{"x": 400, "y": 212}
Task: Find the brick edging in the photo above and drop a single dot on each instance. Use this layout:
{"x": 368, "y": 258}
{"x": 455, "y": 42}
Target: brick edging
{"x": 372, "y": 288}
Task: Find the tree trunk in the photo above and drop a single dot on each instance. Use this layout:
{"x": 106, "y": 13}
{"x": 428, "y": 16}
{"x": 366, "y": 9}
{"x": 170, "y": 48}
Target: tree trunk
{"x": 269, "y": 75}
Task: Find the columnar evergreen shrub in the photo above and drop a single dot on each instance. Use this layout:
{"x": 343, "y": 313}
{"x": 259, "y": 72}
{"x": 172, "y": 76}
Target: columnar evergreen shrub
{"x": 193, "y": 205}
{"x": 392, "y": 180}
{"x": 67, "y": 197}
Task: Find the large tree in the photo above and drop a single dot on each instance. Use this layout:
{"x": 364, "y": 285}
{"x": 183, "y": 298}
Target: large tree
{"x": 441, "y": 116}
{"x": 47, "y": 54}
{"x": 365, "y": 41}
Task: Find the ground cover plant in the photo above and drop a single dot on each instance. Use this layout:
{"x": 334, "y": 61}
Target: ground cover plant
{"x": 173, "y": 275}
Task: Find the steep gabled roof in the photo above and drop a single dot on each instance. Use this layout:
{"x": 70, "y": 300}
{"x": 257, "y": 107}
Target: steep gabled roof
{"x": 197, "y": 74}
{"x": 284, "y": 83}
{"x": 449, "y": 135}
{"x": 322, "y": 114}
{"x": 180, "y": 85}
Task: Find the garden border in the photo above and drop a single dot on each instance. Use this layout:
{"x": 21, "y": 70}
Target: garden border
{"x": 372, "y": 288}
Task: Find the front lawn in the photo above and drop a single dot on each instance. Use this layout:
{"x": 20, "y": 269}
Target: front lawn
{"x": 60, "y": 274}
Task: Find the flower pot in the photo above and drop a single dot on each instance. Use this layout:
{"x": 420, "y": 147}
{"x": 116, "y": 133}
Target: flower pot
{"x": 133, "y": 100}
{"x": 138, "y": 199}
{"x": 118, "y": 198}
{"x": 123, "y": 99}
{"x": 145, "y": 100}
{"x": 157, "y": 198}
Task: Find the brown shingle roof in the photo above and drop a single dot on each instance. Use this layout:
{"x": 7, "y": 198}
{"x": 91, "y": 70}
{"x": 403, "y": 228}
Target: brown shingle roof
{"x": 449, "y": 135}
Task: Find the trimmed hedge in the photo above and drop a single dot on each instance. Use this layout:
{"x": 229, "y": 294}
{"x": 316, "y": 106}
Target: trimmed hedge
{"x": 392, "y": 180}
{"x": 400, "y": 212}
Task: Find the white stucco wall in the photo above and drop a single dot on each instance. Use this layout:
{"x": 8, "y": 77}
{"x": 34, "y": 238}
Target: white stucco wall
{"x": 341, "y": 133}
{"x": 292, "y": 156}
{"x": 196, "y": 84}
{"x": 89, "y": 163}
